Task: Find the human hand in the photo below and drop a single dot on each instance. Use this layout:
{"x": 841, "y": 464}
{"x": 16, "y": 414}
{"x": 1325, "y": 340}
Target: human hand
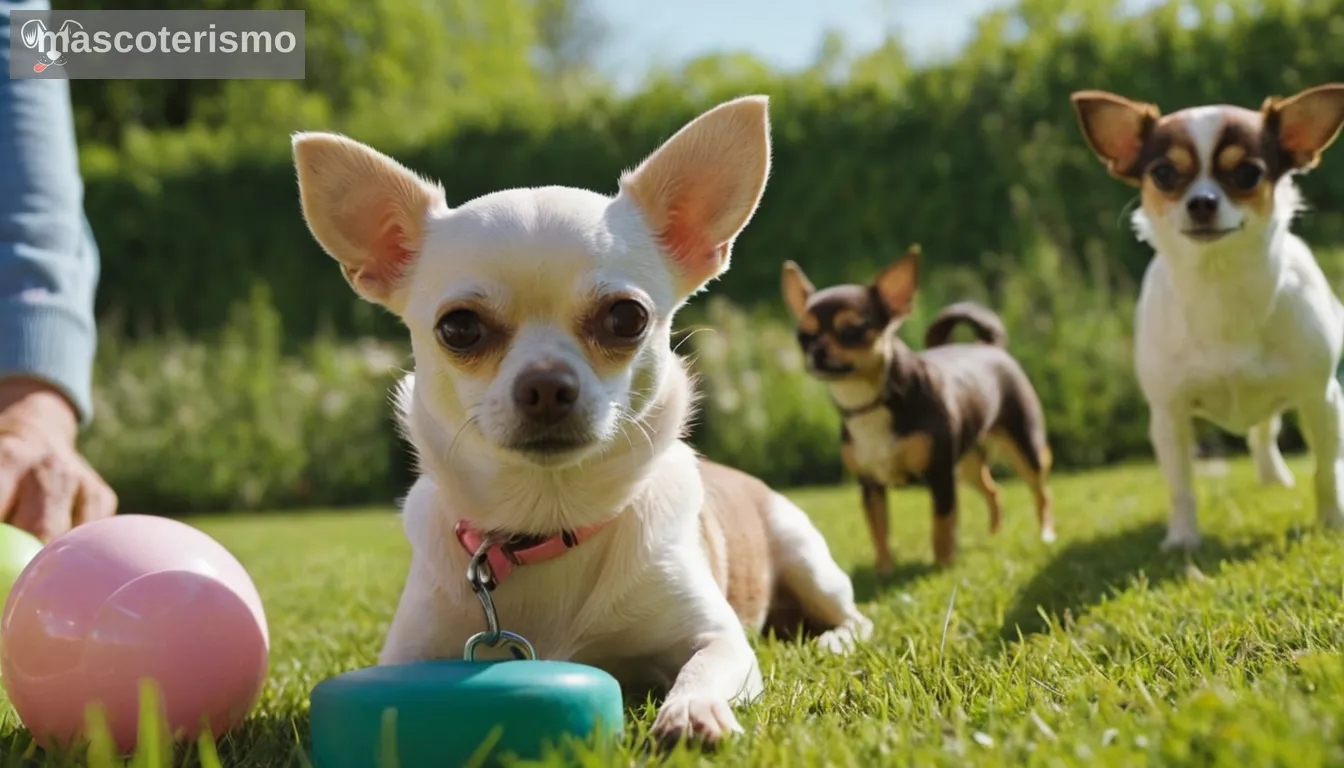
{"x": 46, "y": 486}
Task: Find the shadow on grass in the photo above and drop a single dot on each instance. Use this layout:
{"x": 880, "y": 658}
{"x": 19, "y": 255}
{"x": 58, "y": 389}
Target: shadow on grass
{"x": 1083, "y": 573}
{"x": 869, "y": 586}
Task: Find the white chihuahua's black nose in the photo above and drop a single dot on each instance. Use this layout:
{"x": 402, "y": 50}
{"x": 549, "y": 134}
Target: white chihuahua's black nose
{"x": 545, "y": 393}
{"x": 1202, "y": 208}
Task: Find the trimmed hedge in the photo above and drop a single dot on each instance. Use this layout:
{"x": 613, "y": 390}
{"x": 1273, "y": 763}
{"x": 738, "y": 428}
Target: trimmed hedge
{"x": 978, "y": 160}
{"x": 235, "y": 422}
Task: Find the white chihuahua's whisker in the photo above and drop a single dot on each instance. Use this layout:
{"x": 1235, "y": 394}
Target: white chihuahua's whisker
{"x": 628, "y": 417}
{"x": 691, "y": 357}
{"x": 689, "y": 333}
{"x": 1127, "y": 210}
{"x": 644, "y": 430}
{"x": 471, "y": 420}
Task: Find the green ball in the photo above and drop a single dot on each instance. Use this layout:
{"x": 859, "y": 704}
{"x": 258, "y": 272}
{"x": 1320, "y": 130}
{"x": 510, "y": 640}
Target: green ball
{"x": 17, "y": 549}
{"x": 439, "y": 713}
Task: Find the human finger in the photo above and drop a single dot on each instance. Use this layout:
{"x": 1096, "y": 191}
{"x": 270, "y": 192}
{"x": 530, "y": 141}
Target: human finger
{"x": 95, "y": 500}
{"x": 46, "y": 498}
{"x": 16, "y": 457}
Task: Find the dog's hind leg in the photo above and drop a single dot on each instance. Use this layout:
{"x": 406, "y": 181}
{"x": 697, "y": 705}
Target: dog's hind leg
{"x": 1031, "y": 459}
{"x": 1323, "y": 427}
{"x": 1263, "y": 442}
{"x": 974, "y": 471}
{"x": 943, "y": 486}
{"x": 823, "y": 590}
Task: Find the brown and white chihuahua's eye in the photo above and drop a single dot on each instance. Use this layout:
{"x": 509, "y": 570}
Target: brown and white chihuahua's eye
{"x": 460, "y": 330}
{"x": 626, "y": 319}
{"x": 1165, "y": 176}
{"x": 1247, "y": 174}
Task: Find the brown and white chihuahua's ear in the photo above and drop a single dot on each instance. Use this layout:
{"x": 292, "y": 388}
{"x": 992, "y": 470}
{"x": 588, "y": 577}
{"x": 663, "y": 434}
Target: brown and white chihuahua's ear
{"x": 797, "y": 289}
{"x": 700, "y": 188}
{"x": 1116, "y": 129}
{"x": 366, "y": 210}
{"x": 1305, "y": 124}
{"x": 896, "y": 283}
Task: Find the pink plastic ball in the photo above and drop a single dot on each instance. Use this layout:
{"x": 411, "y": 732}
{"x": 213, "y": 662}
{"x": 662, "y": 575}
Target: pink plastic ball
{"x": 123, "y": 599}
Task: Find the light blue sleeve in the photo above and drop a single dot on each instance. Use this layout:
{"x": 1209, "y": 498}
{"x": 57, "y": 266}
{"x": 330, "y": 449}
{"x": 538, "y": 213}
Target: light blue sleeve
{"x": 49, "y": 261}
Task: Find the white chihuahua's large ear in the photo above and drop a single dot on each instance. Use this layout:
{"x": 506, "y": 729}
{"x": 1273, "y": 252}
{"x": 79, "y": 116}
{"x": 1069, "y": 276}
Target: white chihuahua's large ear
{"x": 896, "y": 284}
{"x": 797, "y": 289}
{"x": 365, "y": 209}
{"x": 1306, "y": 124}
{"x": 1116, "y": 129}
{"x": 701, "y": 187}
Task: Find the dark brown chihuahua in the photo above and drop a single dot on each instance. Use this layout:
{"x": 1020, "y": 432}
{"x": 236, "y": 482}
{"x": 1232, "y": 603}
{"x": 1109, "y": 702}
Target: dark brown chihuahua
{"x": 931, "y": 416}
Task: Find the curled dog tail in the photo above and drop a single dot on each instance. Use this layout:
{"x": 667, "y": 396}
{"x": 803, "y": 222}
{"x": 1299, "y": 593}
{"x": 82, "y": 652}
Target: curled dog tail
{"x": 987, "y": 325}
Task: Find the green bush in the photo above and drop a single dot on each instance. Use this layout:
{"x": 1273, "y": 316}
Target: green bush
{"x": 758, "y": 410}
{"x": 977, "y": 159}
{"x": 214, "y": 393}
{"x": 235, "y": 423}
{"x": 238, "y": 422}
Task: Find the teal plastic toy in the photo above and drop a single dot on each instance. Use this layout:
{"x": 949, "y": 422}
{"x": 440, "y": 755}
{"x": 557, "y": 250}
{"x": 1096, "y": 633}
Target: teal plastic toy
{"x": 440, "y": 713}
{"x": 452, "y": 712}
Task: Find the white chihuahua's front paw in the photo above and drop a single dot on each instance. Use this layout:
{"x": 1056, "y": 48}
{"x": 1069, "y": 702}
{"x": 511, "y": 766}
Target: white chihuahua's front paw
{"x": 1048, "y": 534}
{"x": 1181, "y": 539}
{"x": 701, "y": 719}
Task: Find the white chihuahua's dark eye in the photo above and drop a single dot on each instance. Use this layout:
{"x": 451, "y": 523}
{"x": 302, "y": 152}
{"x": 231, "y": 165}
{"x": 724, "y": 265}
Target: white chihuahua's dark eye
{"x": 1247, "y": 175}
{"x": 626, "y": 319}
{"x": 1165, "y": 176}
{"x": 460, "y": 330}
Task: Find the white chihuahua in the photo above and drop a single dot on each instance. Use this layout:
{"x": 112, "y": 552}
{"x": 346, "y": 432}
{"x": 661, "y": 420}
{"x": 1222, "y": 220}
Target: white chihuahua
{"x": 547, "y": 410}
{"x": 1235, "y": 322}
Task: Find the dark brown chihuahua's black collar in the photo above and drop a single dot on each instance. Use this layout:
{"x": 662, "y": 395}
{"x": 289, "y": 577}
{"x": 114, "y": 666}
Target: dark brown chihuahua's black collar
{"x": 902, "y": 367}
{"x": 879, "y": 401}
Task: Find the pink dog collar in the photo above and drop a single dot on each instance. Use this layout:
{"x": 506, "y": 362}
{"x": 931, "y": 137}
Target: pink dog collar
{"x": 505, "y": 554}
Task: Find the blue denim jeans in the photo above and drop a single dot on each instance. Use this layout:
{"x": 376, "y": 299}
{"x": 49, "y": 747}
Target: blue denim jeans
{"x": 49, "y": 261}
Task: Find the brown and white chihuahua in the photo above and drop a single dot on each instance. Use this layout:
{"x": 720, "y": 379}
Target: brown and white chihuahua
{"x": 1236, "y": 323}
{"x": 931, "y": 415}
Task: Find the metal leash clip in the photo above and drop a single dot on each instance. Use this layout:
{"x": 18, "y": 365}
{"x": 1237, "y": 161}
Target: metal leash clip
{"x": 482, "y": 580}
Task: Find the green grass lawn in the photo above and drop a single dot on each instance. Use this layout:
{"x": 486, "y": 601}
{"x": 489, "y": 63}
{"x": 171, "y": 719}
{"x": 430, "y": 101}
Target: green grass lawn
{"x": 1097, "y": 650}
